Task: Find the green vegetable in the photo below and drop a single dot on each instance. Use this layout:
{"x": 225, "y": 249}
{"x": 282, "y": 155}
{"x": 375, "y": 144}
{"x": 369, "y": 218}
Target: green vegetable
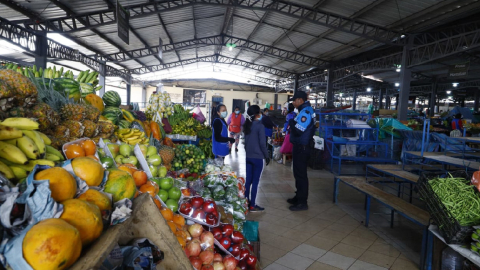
{"x": 474, "y": 248}
{"x": 459, "y": 198}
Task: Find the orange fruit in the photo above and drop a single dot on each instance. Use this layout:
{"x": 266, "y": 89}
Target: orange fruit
{"x": 88, "y": 170}
{"x": 181, "y": 241}
{"x": 62, "y": 184}
{"x": 52, "y": 244}
{"x": 157, "y": 202}
{"x": 89, "y": 147}
{"x": 140, "y": 178}
{"x": 84, "y": 216}
{"x": 128, "y": 168}
{"x": 172, "y": 226}
{"x": 150, "y": 188}
{"x": 73, "y": 151}
{"x": 178, "y": 219}
{"x": 182, "y": 234}
{"x": 166, "y": 213}
{"x": 136, "y": 193}
{"x": 93, "y": 157}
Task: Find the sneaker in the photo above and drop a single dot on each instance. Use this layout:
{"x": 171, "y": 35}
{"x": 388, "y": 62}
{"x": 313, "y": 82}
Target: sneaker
{"x": 298, "y": 207}
{"x": 292, "y": 200}
{"x": 256, "y": 208}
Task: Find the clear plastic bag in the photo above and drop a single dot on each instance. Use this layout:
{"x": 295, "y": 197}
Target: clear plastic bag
{"x": 198, "y": 115}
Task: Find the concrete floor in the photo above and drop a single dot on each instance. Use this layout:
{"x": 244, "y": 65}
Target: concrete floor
{"x": 327, "y": 236}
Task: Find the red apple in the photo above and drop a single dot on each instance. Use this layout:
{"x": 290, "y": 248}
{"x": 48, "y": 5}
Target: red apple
{"x": 193, "y": 248}
{"x": 185, "y": 208}
{"x": 215, "y": 213}
{"x": 207, "y": 267}
{"x": 237, "y": 237}
{"x": 195, "y": 230}
{"x": 218, "y": 266}
{"x": 244, "y": 253}
{"x": 210, "y": 219}
{"x": 217, "y": 233}
{"x": 196, "y": 262}
{"x": 230, "y": 262}
{"x": 206, "y": 239}
{"x": 206, "y": 256}
{"x": 198, "y": 214}
{"x": 197, "y": 202}
{"x": 235, "y": 250}
{"x": 227, "y": 229}
{"x": 225, "y": 242}
{"x": 217, "y": 257}
{"x": 209, "y": 206}
{"x": 251, "y": 260}
{"x": 242, "y": 265}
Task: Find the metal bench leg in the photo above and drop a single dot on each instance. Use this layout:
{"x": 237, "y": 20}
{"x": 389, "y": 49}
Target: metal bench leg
{"x": 411, "y": 192}
{"x": 429, "y": 262}
{"x": 335, "y": 189}
{"x": 367, "y": 216}
{"x": 392, "y": 216}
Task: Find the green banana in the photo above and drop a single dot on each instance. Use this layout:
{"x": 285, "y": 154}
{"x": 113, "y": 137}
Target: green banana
{"x": 51, "y": 157}
{"x": 19, "y": 172}
{"x": 53, "y": 151}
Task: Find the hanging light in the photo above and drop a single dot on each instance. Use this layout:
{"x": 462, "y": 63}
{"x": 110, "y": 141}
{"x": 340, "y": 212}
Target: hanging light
{"x": 455, "y": 84}
{"x": 449, "y": 92}
{"x": 369, "y": 89}
{"x": 231, "y": 46}
{"x": 397, "y": 84}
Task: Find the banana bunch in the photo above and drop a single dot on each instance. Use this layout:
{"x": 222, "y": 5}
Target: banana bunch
{"x": 22, "y": 147}
{"x": 48, "y": 73}
{"x": 91, "y": 78}
{"x": 190, "y": 122}
{"x": 132, "y": 136}
{"x": 180, "y": 115}
{"x": 205, "y": 132}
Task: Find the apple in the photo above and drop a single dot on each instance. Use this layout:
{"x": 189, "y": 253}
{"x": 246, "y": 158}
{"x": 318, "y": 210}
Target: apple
{"x": 244, "y": 253}
{"x": 195, "y": 230}
{"x": 166, "y": 183}
{"x": 198, "y": 214}
{"x": 229, "y": 262}
{"x": 218, "y": 266}
{"x": 209, "y": 206}
{"x": 194, "y": 248}
{"x": 162, "y": 171}
{"x": 207, "y": 267}
{"x": 210, "y": 219}
{"x": 119, "y": 159}
{"x": 172, "y": 204}
{"x": 251, "y": 260}
{"x": 242, "y": 265}
{"x": 101, "y": 152}
{"x": 217, "y": 257}
{"x": 143, "y": 148}
{"x": 114, "y": 149}
{"x": 206, "y": 238}
{"x": 125, "y": 150}
{"x": 153, "y": 170}
{"x": 154, "y": 160}
{"x": 197, "y": 202}
{"x": 151, "y": 150}
{"x": 185, "y": 207}
{"x": 164, "y": 197}
{"x": 225, "y": 242}
{"x": 175, "y": 193}
{"x": 227, "y": 229}
{"x": 217, "y": 233}
{"x": 237, "y": 237}
{"x": 235, "y": 250}
{"x": 206, "y": 256}
{"x": 131, "y": 159}
{"x": 196, "y": 262}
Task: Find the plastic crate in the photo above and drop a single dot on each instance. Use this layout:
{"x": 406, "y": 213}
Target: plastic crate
{"x": 452, "y": 231}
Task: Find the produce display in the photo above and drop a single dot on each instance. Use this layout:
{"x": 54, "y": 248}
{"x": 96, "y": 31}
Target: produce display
{"x": 189, "y": 157}
{"x": 131, "y": 136}
{"x": 161, "y": 103}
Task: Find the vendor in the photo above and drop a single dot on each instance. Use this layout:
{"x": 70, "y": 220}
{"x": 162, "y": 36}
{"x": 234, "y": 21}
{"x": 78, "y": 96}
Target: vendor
{"x": 457, "y": 122}
{"x": 221, "y": 143}
{"x": 235, "y": 122}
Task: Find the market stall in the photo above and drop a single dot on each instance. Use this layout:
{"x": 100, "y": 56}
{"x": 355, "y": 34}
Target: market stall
{"x": 87, "y": 184}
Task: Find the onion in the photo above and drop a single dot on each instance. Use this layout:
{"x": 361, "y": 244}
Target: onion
{"x": 207, "y": 239}
{"x": 193, "y": 248}
{"x": 217, "y": 257}
{"x": 196, "y": 262}
{"x": 206, "y": 256}
{"x": 218, "y": 266}
{"x": 195, "y": 230}
{"x": 230, "y": 262}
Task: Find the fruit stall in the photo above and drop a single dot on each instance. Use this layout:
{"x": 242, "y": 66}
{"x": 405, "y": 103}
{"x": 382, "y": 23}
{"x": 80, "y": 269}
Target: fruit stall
{"x": 89, "y": 184}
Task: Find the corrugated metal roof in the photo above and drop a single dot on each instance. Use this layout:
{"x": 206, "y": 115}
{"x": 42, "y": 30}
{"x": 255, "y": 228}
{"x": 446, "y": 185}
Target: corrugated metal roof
{"x": 267, "y": 34}
{"x": 208, "y": 11}
{"x": 208, "y": 26}
{"x": 177, "y": 15}
{"x": 181, "y": 31}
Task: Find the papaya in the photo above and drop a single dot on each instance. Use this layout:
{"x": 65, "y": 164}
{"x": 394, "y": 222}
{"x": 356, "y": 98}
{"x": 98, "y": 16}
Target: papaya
{"x": 95, "y": 101}
{"x": 155, "y": 129}
{"x": 52, "y": 244}
{"x": 88, "y": 170}
{"x": 84, "y": 216}
{"x": 62, "y": 184}
{"x": 120, "y": 184}
{"x": 98, "y": 198}
{"x": 146, "y": 127}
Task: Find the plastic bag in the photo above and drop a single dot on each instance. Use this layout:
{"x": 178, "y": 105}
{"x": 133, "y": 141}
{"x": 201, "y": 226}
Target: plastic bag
{"x": 276, "y": 154}
{"x": 198, "y": 115}
{"x": 250, "y": 230}
{"x": 218, "y": 193}
{"x": 287, "y": 146}
{"x": 200, "y": 210}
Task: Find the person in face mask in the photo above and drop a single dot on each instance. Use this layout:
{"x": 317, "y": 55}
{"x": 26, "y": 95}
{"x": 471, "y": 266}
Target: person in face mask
{"x": 235, "y": 122}
{"x": 221, "y": 143}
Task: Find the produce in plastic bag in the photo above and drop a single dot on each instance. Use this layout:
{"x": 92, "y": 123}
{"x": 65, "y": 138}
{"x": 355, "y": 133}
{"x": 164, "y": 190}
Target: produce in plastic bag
{"x": 218, "y": 193}
{"x": 200, "y": 210}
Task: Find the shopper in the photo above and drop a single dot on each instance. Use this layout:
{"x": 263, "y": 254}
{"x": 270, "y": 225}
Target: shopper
{"x": 457, "y": 122}
{"x": 235, "y": 122}
{"x": 256, "y": 154}
{"x": 221, "y": 143}
{"x": 268, "y": 124}
{"x": 290, "y": 115}
{"x": 302, "y": 129}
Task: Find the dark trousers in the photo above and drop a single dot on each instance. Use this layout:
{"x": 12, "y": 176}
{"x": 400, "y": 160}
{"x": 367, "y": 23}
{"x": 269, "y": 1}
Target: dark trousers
{"x": 254, "y": 169}
{"x": 300, "y": 156}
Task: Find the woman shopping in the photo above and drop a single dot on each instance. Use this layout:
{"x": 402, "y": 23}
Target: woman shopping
{"x": 235, "y": 122}
{"x": 221, "y": 143}
{"x": 256, "y": 154}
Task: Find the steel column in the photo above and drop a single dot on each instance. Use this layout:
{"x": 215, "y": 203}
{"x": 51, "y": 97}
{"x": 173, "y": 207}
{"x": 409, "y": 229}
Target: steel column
{"x": 405, "y": 79}
{"x": 41, "y": 50}
{"x": 129, "y": 93}
{"x": 295, "y": 83}
{"x": 144, "y": 94}
{"x": 388, "y": 102}
{"x": 354, "y": 106}
{"x": 102, "y": 73}
{"x": 275, "y": 101}
{"x": 433, "y": 98}
{"x": 329, "y": 94}
{"x": 380, "y": 100}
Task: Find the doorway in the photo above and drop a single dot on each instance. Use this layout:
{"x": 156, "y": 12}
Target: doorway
{"x": 240, "y": 103}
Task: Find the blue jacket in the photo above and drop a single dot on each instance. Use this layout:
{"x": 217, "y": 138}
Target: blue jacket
{"x": 302, "y": 128}
{"x": 255, "y": 143}
{"x": 289, "y": 116}
{"x": 220, "y": 149}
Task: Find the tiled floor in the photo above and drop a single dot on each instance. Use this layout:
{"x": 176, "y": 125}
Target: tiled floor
{"x": 325, "y": 236}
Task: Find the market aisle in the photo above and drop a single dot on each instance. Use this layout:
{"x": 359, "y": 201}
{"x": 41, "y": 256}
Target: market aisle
{"x": 324, "y": 237}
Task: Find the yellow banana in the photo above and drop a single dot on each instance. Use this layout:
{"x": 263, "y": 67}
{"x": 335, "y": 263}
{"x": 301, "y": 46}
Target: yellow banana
{"x": 19, "y": 172}
{"x": 26, "y": 167}
{"x": 5, "y": 170}
{"x": 28, "y": 147}
{"x": 37, "y": 139}
{"x": 45, "y": 138}
{"x": 12, "y": 141}
{"x": 7, "y": 133}
{"x": 20, "y": 123}
{"x": 42, "y": 162}
{"x": 12, "y": 153}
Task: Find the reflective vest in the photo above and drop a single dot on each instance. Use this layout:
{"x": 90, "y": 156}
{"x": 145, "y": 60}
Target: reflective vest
{"x": 235, "y": 123}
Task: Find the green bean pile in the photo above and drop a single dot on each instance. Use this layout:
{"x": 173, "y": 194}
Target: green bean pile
{"x": 459, "y": 198}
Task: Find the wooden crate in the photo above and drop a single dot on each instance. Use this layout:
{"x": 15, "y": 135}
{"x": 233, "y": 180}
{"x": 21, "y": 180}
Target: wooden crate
{"x": 145, "y": 222}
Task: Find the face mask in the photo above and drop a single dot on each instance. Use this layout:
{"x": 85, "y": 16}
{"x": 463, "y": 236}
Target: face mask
{"x": 260, "y": 117}
{"x": 223, "y": 114}
{"x": 237, "y": 112}
{"x": 266, "y": 113}
{"x": 296, "y": 110}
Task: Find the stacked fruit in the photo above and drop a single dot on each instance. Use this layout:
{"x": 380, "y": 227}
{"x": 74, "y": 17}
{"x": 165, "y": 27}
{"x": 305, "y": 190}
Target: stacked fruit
{"x": 200, "y": 210}
{"x": 131, "y": 136}
{"x": 204, "y": 132}
{"x": 176, "y": 223}
{"x": 232, "y": 241}
{"x": 154, "y": 160}
{"x": 189, "y": 157}
{"x": 123, "y": 153}
{"x": 21, "y": 148}
{"x": 80, "y": 148}
{"x": 161, "y": 103}
{"x": 206, "y": 146}
{"x": 167, "y": 192}
{"x": 112, "y": 102}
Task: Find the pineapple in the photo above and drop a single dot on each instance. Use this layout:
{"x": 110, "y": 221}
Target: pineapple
{"x": 45, "y": 116}
{"x": 17, "y": 112}
{"x": 95, "y": 139}
{"x": 76, "y": 128}
{"x": 72, "y": 111}
{"x": 91, "y": 129}
{"x": 6, "y": 95}
{"x": 167, "y": 153}
{"x": 106, "y": 127}
{"x": 92, "y": 113}
{"x": 25, "y": 92}
{"x": 61, "y": 132}
{"x": 57, "y": 143}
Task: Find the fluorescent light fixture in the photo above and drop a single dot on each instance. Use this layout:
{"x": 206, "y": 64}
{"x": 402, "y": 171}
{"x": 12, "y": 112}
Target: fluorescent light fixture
{"x": 402, "y": 36}
{"x": 397, "y": 84}
{"x": 455, "y": 84}
{"x": 61, "y": 39}
{"x": 369, "y": 89}
{"x": 8, "y": 48}
{"x": 449, "y": 92}
{"x": 341, "y": 94}
{"x": 398, "y": 70}
{"x": 308, "y": 87}
{"x": 230, "y": 46}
